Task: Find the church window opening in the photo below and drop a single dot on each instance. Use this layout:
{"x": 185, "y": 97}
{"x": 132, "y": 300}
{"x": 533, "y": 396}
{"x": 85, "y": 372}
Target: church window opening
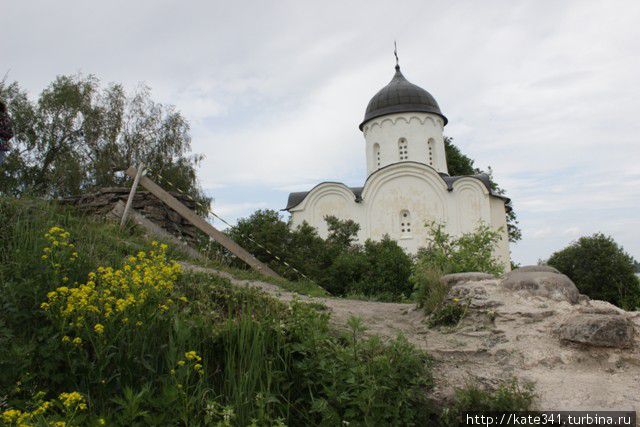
{"x": 403, "y": 148}
{"x": 405, "y": 223}
{"x": 430, "y": 145}
{"x": 376, "y": 154}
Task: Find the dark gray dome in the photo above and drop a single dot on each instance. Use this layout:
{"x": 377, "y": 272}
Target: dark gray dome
{"x": 401, "y": 96}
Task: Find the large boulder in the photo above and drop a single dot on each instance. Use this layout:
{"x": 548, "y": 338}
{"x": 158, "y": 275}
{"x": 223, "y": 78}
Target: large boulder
{"x": 534, "y": 269}
{"x": 600, "y": 330}
{"x": 457, "y": 278}
{"x": 544, "y": 284}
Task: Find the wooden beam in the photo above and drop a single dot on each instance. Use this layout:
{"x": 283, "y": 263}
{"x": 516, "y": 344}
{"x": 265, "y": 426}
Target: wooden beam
{"x": 132, "y": 194}
{"x": 203, "y": 225}
{"x": 156, "y": 230}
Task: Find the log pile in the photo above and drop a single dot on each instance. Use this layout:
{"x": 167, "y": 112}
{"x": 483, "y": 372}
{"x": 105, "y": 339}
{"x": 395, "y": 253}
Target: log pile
{"x": 102, "y": 202}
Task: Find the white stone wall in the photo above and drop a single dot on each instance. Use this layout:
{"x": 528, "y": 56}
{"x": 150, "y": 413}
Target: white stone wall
{"x": 419, "y": 131}
{"x": 412, "y": 188}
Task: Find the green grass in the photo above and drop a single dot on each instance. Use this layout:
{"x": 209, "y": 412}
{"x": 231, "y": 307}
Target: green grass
{"x": 264, "y": 362}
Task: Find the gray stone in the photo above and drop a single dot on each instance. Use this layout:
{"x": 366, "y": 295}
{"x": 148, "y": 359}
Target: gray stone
{"x": 535, "y": 269}
{"x": 544, "y": 284}
{"x": 600, "y": 330}
{"x": 457, "y": 278}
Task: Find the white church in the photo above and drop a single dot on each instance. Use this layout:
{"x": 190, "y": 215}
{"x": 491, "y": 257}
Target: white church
{"x": 407, "y": 181}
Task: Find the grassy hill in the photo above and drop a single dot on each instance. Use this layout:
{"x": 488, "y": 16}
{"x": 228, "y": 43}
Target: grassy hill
{"x": 101, "y": 327}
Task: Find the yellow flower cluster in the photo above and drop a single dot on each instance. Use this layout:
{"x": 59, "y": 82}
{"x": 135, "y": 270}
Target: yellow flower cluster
{"x": 59, "y": 239}
{"x": 135, "y": 291}
{"x": 193, "y": 360}
{"x": 71, "y": 402}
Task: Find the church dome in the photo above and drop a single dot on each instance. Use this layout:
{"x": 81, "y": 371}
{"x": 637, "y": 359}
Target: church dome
{"x": 401, "y": 96}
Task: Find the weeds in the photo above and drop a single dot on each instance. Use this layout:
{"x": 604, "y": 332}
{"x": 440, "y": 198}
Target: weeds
{"x": 508, "y": 397}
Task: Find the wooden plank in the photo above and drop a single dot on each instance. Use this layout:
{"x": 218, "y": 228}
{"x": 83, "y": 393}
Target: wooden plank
{"x": 156, "y": 230}
{"x": 132, "y": 194}
{"x": 203, "y": 225}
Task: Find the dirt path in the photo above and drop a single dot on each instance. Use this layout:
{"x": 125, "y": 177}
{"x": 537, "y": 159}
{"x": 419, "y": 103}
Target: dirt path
{"x": 517, "y": 340}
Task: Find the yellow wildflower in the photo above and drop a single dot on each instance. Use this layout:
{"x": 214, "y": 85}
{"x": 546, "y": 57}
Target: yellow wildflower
{"x": 77, "y": 341}
{"x": 98, "y": 328}
{"x": 11, "y": 415}
{"x": 72, "y": 400}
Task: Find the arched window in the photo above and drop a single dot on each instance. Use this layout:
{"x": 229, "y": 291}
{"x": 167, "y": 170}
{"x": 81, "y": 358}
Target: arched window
{"x": 430, "y": 144}
{"x": 403, "y": 149}
{"x": 405, "y": 223}
{"x": 376, "y": 154}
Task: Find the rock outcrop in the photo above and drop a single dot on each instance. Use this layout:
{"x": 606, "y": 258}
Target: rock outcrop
{"x": 456, "y": 278}
{"x": 599, "y": 330}
{"x": 547, "y": 284}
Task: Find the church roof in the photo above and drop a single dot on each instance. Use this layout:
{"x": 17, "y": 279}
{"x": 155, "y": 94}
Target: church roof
{"x": 296, "y": 198}
{"x": 401, "y": 96}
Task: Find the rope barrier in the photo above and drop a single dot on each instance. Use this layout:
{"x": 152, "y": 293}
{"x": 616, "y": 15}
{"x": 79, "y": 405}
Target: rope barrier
{"x": 209, "y": 212}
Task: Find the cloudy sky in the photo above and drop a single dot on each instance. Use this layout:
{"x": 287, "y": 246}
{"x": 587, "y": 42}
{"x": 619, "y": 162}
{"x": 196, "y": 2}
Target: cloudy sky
{"x": 545, "y": 92}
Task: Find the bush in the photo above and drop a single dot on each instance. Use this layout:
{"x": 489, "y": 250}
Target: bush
{"x": 601, "y": 269}
{"x": 449, "y": 314}
{"x": 381, "y": 269}
{"x": 508, "y": 397}
{"x": 429, "y": 291}
{"x": 469, "y": 252}
{"x": 375, "y": 269}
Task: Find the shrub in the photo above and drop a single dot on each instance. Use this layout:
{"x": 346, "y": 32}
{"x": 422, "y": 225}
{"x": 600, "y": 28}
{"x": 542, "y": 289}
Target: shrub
{"x": 429, "y": 291}
{"x": 378, "y": 269}
{"x": 508, "y": 397}
{"x": 449, "y": 314}
{"x": 381, "y": 269}
{"x": 469, "y": 252}
{"x": 601, "y": 269}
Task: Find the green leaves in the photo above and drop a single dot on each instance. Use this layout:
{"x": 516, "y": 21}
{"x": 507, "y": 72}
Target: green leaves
{"x": 601, "y": 269}
{"x": 77, "y": 135}
{"x": 469, "y": 252}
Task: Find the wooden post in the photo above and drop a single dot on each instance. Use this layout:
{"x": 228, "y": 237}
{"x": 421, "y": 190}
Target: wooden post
{"x": 132, "y": 194}
{"x": 203, "y": 225}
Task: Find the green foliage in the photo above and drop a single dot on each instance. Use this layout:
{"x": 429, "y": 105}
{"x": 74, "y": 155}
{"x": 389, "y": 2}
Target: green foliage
{"x": 364, "y": 375}
{"x": 76, "y": 137}
{"x": 448, "y": 314}
{"x": 429, "y": 291}
{"x": 460, "y": 164}
{"x": 469, "y": 252}
{"x": 601, "y": 269}
{"x": 508, "y": 397}
{"x": 342, "y": 233}
{"x": 379, "y": 269}
{"x": 457, "y": 162}
{"x": 219, "y": 356}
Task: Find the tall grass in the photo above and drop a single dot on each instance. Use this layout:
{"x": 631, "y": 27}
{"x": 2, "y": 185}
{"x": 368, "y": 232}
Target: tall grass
{"x": 255, "y": 366}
